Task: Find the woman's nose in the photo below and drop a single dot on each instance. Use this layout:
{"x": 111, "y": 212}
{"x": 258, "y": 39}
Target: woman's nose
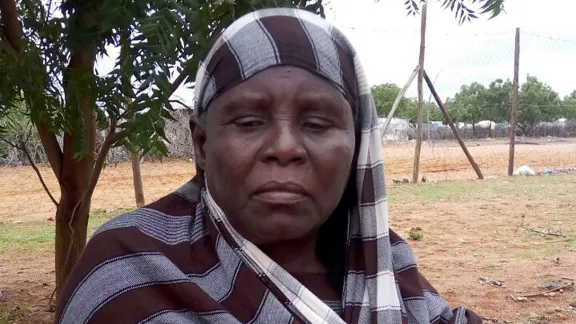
{"x": 284, "y": 145}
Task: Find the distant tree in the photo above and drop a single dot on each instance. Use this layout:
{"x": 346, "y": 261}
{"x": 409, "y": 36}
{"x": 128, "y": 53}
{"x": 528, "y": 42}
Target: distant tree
{"x": 432, "y": 111}
{"x": 569, "y": 106}
{"x": 499, "y": 100}
{"x": 384, "y": 97}
{"x": 470, "y": 104}
{"x": 537, "y": 102}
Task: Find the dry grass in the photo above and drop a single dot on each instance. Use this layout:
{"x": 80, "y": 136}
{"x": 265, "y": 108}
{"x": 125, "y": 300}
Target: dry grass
{"x": 470, "y": 227}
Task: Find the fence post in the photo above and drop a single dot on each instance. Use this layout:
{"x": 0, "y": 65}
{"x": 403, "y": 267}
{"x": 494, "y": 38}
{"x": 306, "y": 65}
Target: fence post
{"x": 420, "y": 117}
{"x": 514, "y": 108}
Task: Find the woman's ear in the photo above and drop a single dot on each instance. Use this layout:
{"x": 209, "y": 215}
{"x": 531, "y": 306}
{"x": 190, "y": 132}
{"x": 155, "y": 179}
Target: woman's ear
{"x": 198, "y": 131}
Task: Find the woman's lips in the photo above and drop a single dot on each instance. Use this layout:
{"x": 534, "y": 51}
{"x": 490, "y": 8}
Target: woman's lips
{"x": 279, "y": 197}
{"x": 275, "y": 192}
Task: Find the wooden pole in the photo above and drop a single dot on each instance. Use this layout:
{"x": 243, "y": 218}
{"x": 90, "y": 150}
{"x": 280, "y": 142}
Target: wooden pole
{"x": 397, "y": 102}
{"x": 453, "y": 127}
{"x": 420, "y": 116}
{"x": 514, "y": 108}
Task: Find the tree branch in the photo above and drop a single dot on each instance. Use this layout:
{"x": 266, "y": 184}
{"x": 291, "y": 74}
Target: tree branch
{"x": 24, "y": 149}
{"x": 179, "y": 80}
{"x": 4, "y": 44}
{"x": 48, "y": 12}
{"x": 10, "y": 24}
{"x": 33, "y": 165}
{"x": 110, "y": 139}
{"x": 51, "y": 147}
{"x": 8, "y": 142}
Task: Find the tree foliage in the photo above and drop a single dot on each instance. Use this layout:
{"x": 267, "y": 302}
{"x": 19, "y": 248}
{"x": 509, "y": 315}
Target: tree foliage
{"x": 464, "y": 10}
{"x": 499, "y": 100}
{"x": 384, "y": 97}
{"x": 537, "y": 102}
{"x": 470, "y": 102}
{"x": 569, "y": 106}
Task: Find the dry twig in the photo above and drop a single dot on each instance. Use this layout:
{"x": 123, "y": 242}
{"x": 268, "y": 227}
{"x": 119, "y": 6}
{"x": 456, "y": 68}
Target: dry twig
{"x": 543, "y": 293}
{"x": 491, "y": 281}
{"x": 543, "y": 232}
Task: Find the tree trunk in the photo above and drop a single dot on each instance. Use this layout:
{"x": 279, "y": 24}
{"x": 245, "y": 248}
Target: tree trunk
{"x": 473, "y": 129}
{"x": 73, "y": 210}
{"x": 75, "y": 177}
{"x": 70, "y": 240}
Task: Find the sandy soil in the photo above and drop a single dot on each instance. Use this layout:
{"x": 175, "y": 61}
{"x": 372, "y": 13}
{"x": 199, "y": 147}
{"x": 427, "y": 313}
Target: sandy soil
{"x": 471, "y": 240}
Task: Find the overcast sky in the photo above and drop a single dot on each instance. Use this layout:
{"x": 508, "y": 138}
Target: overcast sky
{"x": 388, "y": 43}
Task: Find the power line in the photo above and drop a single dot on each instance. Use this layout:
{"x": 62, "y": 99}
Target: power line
{"x": 550, "y": 37}
{"x": 406, "y": 31}
{"x": 399, "y": 31}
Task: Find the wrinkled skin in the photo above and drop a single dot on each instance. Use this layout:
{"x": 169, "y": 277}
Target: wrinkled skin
{"x": 284, "y": 126}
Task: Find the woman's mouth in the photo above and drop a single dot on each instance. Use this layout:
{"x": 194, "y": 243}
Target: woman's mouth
{"x": 274, "y": 192}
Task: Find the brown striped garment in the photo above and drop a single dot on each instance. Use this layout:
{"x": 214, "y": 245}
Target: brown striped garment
{"x": 179, "y": 260}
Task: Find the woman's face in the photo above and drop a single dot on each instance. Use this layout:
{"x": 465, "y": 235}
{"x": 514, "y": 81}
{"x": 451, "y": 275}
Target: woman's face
{"x": 277, "y": 152}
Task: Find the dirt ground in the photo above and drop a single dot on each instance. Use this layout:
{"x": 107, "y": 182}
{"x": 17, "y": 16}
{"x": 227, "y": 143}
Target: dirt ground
{"x": 471, "y": 228}
{"x": 471, "y": 235}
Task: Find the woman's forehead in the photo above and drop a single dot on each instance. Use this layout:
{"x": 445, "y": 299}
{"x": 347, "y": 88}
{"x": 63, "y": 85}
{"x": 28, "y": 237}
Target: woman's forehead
{"x": 287, "y": 77}
{"x": 291, "y": 87}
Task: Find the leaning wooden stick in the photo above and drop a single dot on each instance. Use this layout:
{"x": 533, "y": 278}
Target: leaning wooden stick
{"x": 397, "y": 101}
{"x": 453, "y": 127}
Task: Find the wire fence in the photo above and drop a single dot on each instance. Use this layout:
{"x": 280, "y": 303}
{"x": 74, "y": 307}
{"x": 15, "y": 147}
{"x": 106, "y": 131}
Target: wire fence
{"x": 24, "y": 197}
{"x": 451, "y": 61}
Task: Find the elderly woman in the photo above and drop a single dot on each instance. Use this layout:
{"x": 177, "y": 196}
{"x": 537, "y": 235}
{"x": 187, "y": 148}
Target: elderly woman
{"x": 286, "y": 219}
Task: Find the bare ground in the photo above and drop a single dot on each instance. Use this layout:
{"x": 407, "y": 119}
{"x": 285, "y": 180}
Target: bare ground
{"x": 470, "y": 235}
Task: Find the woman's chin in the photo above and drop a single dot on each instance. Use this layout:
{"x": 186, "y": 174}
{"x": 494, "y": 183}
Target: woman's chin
{"x": 278, "y": 232}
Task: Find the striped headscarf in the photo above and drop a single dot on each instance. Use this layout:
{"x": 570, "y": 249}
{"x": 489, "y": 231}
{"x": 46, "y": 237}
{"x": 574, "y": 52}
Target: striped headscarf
{"x": 282, "y": 36}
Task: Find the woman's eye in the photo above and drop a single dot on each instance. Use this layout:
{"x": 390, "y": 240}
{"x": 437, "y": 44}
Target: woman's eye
{"x": 248, "y": 122}
{"x": 316, "y": 124}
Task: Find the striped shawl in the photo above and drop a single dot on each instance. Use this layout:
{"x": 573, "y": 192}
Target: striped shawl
{"x": 180, "y": 261}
